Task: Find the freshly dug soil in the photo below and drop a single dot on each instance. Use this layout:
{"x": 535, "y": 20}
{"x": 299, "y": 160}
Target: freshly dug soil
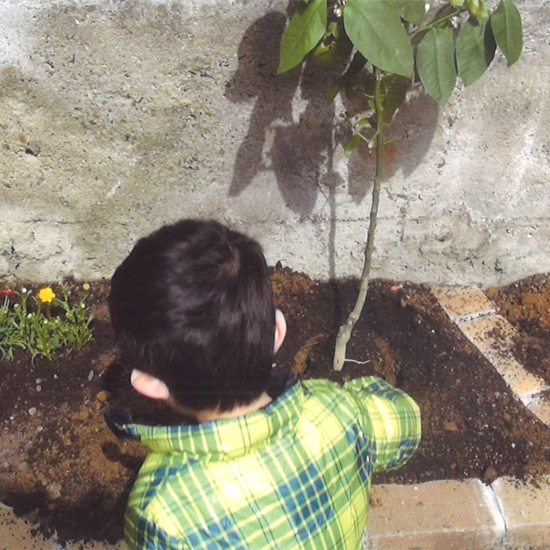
{"x": 526, "y": 305}
{"x": 61, "y": 466}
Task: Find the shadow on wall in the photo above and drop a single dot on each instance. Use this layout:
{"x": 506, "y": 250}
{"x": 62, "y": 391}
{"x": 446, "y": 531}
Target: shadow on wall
{"x": 413, "y": 129}
{"x": 292, "y": 130}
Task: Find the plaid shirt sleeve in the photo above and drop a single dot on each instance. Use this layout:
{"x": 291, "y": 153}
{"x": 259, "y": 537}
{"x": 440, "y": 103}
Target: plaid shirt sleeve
{"x": 391, "y": 417}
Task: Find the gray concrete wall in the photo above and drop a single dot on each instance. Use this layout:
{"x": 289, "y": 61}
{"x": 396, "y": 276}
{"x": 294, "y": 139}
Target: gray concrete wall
{"x": 117, "y": 116}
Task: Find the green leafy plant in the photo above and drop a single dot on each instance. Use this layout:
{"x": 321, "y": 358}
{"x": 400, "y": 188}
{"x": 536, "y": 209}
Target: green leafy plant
{"x": 43, "y": 323}
{"x": 384, "y": 48}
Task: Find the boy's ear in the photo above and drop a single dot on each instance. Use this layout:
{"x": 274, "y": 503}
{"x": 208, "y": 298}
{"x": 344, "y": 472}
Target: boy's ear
{"x": 149, "y": 385}
{"x": 280, "y": 329}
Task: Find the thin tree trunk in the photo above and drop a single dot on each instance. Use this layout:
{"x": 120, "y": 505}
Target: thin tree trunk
{"x": 344, "y": 333}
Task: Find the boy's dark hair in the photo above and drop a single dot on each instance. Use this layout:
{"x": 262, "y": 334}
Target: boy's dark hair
{"x": 192, "y": 305}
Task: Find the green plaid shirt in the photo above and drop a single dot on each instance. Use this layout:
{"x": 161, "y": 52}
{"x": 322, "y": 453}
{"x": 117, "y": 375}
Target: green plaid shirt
{"x": 294, "y": 475}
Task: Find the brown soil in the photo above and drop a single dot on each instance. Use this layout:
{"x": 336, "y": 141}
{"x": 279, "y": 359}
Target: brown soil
{"x": 526, "y": 305}
{"x": 62, "y": 467}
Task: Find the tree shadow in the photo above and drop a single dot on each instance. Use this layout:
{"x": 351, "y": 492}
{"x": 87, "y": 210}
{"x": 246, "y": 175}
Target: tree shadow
{"x": 292, "y": 131}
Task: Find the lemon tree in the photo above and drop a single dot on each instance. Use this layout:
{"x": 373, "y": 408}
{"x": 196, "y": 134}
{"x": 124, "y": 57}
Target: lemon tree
{"x": 385, "y": 47}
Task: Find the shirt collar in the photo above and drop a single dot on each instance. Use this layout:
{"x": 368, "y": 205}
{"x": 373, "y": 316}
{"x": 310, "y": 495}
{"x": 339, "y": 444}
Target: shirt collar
{"x": 221, "y": 439}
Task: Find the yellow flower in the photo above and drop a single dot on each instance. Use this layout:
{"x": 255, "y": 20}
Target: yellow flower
{"x": 46, "y": 295}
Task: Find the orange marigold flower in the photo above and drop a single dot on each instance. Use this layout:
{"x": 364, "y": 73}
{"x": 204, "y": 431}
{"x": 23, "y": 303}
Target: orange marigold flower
{"x": 46, "y": 295}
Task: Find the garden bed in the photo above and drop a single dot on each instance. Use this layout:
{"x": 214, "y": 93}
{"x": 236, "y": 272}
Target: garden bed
{"x": 60, "y": 465}
{"x": 526, "y": 305}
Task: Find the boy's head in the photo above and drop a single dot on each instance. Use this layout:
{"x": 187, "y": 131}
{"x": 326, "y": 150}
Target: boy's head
{"x": 192, "y": 307}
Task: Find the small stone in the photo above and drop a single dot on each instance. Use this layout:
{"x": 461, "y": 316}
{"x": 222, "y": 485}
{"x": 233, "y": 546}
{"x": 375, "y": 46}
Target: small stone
{"x": 490, "y": 474}
{"x": 38, "y": 388}
{"x": 54, "y": 490}
{"x": 32, "y": 411}
{"x": 491, "y": 293}
{"x": 102, "y": 396}
{"x": 450, "y": 426}
{"x": 34, "y": 148}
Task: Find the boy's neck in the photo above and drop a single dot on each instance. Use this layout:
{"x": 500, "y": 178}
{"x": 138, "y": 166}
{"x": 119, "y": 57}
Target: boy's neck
{"x": 209, "y": 415}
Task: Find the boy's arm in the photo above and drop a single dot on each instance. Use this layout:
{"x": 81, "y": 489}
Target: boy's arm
{"x": 391, "y": 417}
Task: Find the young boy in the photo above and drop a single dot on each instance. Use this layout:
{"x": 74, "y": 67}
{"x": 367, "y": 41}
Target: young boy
{"x": 264, "y": 462}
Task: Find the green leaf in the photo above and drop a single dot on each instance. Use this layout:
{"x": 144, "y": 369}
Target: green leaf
{"x": 326, "y": 56}
{"x": 350, "y": 82}
{"x": 457, "y": 3}
{"x": 475, "y": 49}
{"x": 352, "y": 93}
{"x": 412, "y": 11}
{"x": 364, "y": 122}
{"x": 375, "y": 28}
{"x": 334, "y": 49}
{"x": 333, "y": 91}
{"x": 507, "y": 28}
{"x": 477, "y": 9}
{"x": 442, "y": 20}
{"x": 352, "y": 144}
{"x": 436, "y": 64}
{"x": 303, "y": 32}
{"x": 393, "y": 89}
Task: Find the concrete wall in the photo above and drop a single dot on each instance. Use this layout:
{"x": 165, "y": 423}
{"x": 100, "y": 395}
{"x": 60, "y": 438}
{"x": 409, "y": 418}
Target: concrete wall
{"x": 117, "y": 116}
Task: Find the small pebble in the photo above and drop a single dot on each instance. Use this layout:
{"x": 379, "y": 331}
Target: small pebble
{"x": 450, "y": 426}
{"x": 39, "y": 388}
{"x": 102, "y": 396}
{"x": 91, "y": 375}
{"x": 34, "y": 147}
{"x": 54, "y": 490}
{"x": 490, "y": 474}
{"x": 32, "y": 411}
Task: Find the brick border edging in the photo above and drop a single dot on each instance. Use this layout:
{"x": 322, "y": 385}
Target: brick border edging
{"x": 437, "y": 515}
{"x": 460, "y": 515}
{"x": 478, "y": 319}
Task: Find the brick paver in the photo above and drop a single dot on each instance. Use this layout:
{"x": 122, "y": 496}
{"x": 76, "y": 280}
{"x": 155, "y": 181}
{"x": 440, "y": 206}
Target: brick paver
{"x": 463, "y": 303}
{"x": 450, "y": 515}
{"x": 526, "y": 511}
